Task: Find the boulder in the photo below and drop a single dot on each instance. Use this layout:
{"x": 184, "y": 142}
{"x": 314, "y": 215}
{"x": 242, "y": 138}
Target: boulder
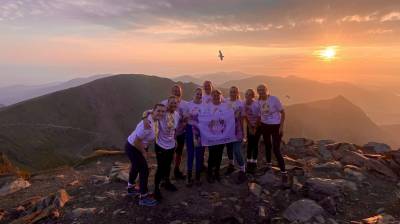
{"x": 334, "y": 166}
{"x": 353, "y": 158}
{"x": 302, "y": 210}
{"x": 380, "y": 167}
{"x": 300, "y": 142}
{"x": 120, "y": 172}
{"x": 380, "y": 219}
{"x": 320, "y": 188}
{"x": 269, "y": 180}
{"x": 38, "y": 208}
{"x": 78, "y": 212}
{"x": 337, "y": 149}
{"x": 14, "y": 186}
{"x": 323, "y": 149}
{"x": 354, "y": 173}
{"x": 377, "y": 147}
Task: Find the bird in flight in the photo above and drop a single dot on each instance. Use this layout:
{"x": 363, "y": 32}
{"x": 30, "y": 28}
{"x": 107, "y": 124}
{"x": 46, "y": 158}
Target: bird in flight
{"x": 221, "y": 56}
{"x": 287, "y": 96}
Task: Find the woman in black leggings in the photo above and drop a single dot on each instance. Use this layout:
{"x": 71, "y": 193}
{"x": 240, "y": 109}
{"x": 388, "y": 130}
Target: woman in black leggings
{"x": 136, "y": 150}
{"x": 272, "y": 117}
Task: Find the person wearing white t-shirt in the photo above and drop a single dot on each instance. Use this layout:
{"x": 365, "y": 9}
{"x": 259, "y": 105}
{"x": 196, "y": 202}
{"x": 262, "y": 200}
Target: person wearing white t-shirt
{"x": 215, "y": 151}
{"x": 252, "y": 134}
{"x": 234, "y": 148}
{"x": 195, "y": 151}
{"x": 180, "y": 130}
{"x": 165, "y": 147}
{"x": 207, "y": 88}
{"x": 272, "y": 116}
{"x": 136, "y": 149}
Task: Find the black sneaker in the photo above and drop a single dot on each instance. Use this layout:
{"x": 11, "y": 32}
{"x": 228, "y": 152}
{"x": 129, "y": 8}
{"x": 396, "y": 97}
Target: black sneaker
{"x": 170, "y": 187}
{"x": 179, "y": 175}
{"x": 133, "y": 191}
{"x": 231, "y": 169}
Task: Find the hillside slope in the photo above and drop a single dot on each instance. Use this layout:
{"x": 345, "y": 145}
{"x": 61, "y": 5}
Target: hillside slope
{"x": 60, "y": 127}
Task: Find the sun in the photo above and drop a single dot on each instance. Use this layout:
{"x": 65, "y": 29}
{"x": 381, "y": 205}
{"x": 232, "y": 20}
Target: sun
{"x": 328, "y": 53}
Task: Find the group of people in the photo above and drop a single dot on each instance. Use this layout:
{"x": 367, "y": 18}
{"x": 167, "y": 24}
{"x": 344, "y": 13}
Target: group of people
{"x": 207, "y": 122}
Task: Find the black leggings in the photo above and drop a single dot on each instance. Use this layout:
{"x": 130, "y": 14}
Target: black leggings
{"x": 138, "y": 167}
{"x": 215, "y": 158}
{"x": 164, "y": 161}
{"x": 252, "y": 144}
{"x": 271, "y": 132}
{"x": 180, "y": 143}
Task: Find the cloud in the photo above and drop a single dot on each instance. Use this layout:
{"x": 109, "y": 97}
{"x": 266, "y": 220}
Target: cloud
{"x": 242, "y": 22}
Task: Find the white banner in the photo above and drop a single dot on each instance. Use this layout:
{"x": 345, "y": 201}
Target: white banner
{"x": 217, "y": 125}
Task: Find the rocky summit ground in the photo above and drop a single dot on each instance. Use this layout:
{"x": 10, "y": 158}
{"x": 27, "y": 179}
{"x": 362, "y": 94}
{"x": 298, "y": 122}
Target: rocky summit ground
{"x": 329, "y": 183}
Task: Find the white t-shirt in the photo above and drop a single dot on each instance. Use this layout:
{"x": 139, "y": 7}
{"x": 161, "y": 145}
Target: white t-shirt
{"x": 167, "y": 129}
{"x": 181, "y": 108}
{"x": 252, "y": 112}
{"x": 238, "y": 107}
{"x": 270, "y": 110}
{"x": 146, "y": 135}
{"x": 193, "y": 111}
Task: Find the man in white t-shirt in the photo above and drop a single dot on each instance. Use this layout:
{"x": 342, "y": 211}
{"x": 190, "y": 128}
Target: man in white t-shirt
{"x": 165, "y": 147}
{"x": 180, "y": 130}
{"x": 272, "y": 116}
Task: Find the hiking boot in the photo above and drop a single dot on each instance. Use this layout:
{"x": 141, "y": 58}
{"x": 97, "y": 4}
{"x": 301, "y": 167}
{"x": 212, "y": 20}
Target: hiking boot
{"x": 241, "y": 177}
{"x": 170, "y": 187}
{"x": 231, "y": 169}
{"x": 133, "y": 191}
{"x": 178, "y": 175}
{"x": 147, "y": 201}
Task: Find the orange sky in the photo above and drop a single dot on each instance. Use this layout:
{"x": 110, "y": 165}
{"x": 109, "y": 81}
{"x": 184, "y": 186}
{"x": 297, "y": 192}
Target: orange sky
{"x": 48, "y": 40}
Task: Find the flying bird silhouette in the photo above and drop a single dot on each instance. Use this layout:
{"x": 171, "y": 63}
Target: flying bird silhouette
{"x": 287, "y": 96}
{"x": 221, "y": 56}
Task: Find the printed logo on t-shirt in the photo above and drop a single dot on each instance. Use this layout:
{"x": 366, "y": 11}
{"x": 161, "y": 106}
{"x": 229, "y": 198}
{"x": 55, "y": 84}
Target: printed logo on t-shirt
{"x": 217, "y": 126}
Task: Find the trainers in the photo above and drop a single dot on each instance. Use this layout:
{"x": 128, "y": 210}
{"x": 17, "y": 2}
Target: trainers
{"x": 178, "y": 175}
{"x": 133, "y": 191}
{"x": 231, "y": 169}
{"x": 241, "y": 177}
{"x": 170, "y": 187}
{"x": 147, "y": 201}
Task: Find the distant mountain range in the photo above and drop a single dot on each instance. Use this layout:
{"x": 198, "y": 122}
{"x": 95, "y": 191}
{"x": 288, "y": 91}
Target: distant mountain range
{"x": 17, "y": 93}
{"x": 382, "y": 106}
{"x": 61, "y": 127}
{"x": 217, "y": 78}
